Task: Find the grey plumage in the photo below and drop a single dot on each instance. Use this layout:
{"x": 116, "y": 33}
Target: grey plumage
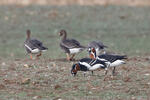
{"x": 32, "y": 44}
{"x": 96, "y": 44}
{"x": 67, "y": 44}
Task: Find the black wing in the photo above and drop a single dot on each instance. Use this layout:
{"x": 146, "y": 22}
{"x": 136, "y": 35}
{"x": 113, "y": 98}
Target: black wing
{"x": 87, "y": 60}
{"x": 112, "y": 58}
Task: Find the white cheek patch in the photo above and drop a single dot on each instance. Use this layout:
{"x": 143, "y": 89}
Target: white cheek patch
{"x": 95, "y": 67}
{"x": 74, "y": 50}
{"x": 117, "y": 63}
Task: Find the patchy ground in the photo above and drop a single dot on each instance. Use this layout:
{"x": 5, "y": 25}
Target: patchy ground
{"x": 46, "y": 79}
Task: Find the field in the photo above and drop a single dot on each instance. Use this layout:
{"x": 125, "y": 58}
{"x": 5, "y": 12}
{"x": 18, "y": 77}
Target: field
{"x": 124, "y": 29}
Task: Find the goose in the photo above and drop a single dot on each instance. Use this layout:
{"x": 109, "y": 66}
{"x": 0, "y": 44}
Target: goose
{"x": 99, "y": 47}
{"x": 33, "y": 46}
{"x": 69, "y": 46}
{"x": 113, "y": 60}
{"x": 88, "y": 64}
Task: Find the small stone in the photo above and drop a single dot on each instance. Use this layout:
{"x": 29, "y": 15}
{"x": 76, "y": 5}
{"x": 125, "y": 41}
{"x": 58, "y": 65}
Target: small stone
{"x": 27, "y": 66}
{"x": 25, "y": 81}
{"x": 3, "y": 63}
{"x": 147, "y": 74}
{"x": 57, "y": 87}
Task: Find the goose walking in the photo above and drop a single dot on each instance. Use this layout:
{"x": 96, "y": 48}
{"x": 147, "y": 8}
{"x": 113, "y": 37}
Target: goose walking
{"x": 69, "y": 46}
{"x": 33, "y": 46}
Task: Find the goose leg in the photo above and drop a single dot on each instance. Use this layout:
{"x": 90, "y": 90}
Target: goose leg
{"x": 72, "y": 57}
{"x": 31, "y": 56}
{"x": 84, "y": 73}
{"x": 68, "y": 56}
{"x": 92, "y": 72}
{"x": 113, "y": 72}
{"x": 106, "y": 71}
{"x": 37, "y": 56}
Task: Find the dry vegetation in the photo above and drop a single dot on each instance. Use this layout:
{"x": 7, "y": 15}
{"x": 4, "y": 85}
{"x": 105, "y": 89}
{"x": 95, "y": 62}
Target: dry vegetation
{"x": 46, "y": 79}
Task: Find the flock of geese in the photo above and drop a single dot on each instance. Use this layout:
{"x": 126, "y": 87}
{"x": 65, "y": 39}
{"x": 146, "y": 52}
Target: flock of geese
{"x": 98, "y": 58}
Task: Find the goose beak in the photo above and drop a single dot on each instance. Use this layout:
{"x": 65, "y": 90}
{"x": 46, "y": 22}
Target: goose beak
{"x": 60, "y": 34}
{"x": 73, "y": 74}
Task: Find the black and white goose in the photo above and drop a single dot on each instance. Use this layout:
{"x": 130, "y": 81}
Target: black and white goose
{"x": 112, "y": 60}
{"x": 33, "y": 46}
{"x": 98, "y": 45}
{"x": 70, "y": 46}
{"x": 88, "y": 64}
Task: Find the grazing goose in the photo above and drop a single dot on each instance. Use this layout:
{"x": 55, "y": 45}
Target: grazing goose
{"x": 88, "y": 64}
{"x": 112, "y": 59}
{"x": 33, "y": 46}
{"x": 98, "y": 45}
{"x": 70, "y": 46}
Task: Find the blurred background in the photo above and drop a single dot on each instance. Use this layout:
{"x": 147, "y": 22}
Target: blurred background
{"x": 122, "y": 25}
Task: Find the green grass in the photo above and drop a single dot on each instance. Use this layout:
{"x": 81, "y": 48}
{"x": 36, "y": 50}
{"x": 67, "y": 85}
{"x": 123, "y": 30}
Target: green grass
{"x": 124, "y": 29}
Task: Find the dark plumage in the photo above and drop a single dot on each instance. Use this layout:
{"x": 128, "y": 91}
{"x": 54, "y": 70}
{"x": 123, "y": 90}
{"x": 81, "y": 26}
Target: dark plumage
{"x": 111, "y": 59}
{"x": 88, "y": 64}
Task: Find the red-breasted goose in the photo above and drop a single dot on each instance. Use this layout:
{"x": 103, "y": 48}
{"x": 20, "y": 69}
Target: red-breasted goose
{"x": 113, "y": 60}
{"x": 70, "y": 46}
{"x": 88, "y": 64}
{"x": 33, "y": 46}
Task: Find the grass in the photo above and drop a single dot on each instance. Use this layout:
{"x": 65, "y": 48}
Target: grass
{"x": 125, "y": 30}
{"x": 119, "y": 27}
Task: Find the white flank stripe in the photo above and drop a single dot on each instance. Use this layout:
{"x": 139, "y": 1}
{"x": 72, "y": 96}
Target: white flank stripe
{"x": 44, "y": 50}
{"x": 74, "y": 50}
{"x": 33, "y": 51}
{"x": 117, "y": 63}
{"x": 102, "y": 59}
{"x": 28, "y": 47}
{"x": 95, "y": 67}
{"x": 85, "y": 64}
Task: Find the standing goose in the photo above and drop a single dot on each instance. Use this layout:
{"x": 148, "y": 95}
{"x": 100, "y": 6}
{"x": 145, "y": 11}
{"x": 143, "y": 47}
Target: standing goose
{"x": 88, "y": 64}
{"x": 98, "y": 45}
{"x": 112, "y": 59}
{"x": 33, "y": 46}
{"x": 70, "y": 46}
